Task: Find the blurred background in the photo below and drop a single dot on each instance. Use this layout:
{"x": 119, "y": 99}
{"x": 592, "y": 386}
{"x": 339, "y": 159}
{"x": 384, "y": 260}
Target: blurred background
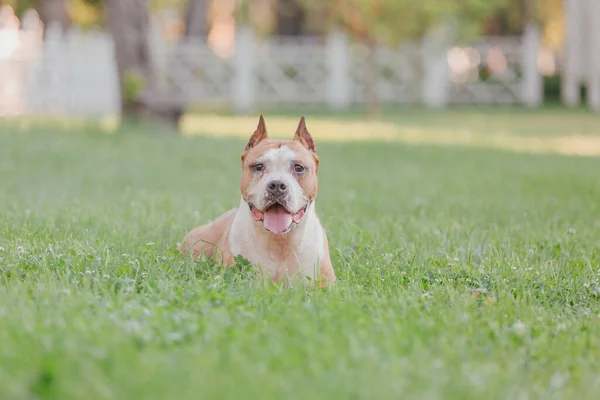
{"x": 161, "y": 59}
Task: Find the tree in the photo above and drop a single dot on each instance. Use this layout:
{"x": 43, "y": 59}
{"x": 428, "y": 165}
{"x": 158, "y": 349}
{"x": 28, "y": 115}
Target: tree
{"x": 20, "y": 6}
{"x": 290, "y": 18}
{"x": 195, "y": 19}
{"x": 130, "y": 26}
{"x": 128, "y": 22}
{"x": 54, "y": 11}
{"x": 512, "y": 18}
{"x": 393, "y": 21}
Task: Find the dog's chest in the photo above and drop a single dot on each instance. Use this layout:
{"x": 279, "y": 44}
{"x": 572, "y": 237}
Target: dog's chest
{"x": 299, "y": 260}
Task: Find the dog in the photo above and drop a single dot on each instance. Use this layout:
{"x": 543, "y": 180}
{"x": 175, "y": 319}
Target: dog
{"x": 275, "y": 226}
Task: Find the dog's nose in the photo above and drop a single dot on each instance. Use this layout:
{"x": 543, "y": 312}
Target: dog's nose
{"x": 276, "y": 188}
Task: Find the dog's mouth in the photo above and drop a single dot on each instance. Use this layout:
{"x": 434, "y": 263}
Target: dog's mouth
{"x": 276, "y": 218}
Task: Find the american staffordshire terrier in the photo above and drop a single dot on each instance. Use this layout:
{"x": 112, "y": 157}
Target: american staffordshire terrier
{"x": 275, "y": 226}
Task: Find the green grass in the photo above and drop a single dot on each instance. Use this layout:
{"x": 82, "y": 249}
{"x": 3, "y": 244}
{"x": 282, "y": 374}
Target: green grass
{"x": 463, "y": 273}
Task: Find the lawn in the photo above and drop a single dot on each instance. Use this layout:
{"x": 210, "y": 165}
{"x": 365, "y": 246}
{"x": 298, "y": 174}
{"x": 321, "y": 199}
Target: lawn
{"x": 464, "y": 271}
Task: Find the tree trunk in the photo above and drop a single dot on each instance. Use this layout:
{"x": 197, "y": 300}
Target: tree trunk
{"x": 196, "y": 28}
{"x": 54, "y": 11}
{"x": 290, "y": 18}
{"x": 527, "y": 11}
{"x": 129, "y": 24}
{"x": 196, "y": 24}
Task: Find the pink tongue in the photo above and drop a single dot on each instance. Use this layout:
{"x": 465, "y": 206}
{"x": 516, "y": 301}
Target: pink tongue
{"x": 277, "y": 219}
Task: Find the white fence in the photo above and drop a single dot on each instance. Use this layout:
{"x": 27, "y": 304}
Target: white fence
{"x": 582, "y": 53}
{"x": 75, "y": 73}
{"x": 333, "y": 71}
{"x": 72, "y": 73}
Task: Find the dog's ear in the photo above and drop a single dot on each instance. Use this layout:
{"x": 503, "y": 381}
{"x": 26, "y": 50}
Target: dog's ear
{"x": 259, "y": 134}
{"x": 303, "y": 136}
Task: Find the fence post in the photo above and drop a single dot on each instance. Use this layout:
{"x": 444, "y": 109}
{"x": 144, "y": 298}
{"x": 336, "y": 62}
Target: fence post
{"x": 435, "y": 86}
{"x": 32, "y": 33}
{"x": 532, "y": 82}
{"x": 593, "y": 64}
{"x": 244, "y": 83}
{"x": 573, "y": 50}
{"x": 11, "y": 98}
{"x": 54, "y": 95}
{"x": 112, "y": 99}
{"x": 338, "y": 66}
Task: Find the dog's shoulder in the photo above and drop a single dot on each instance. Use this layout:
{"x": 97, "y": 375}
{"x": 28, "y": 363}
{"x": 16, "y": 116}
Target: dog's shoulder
{"x": 206, "y": 238}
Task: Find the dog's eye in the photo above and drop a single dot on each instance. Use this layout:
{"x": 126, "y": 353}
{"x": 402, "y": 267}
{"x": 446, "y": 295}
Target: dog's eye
{"x": 258, "y": 167}
{"x": 299, "y": 168}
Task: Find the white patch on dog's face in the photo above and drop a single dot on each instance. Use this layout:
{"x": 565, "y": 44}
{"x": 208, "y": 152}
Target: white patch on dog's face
{"x": 278, "y": 166}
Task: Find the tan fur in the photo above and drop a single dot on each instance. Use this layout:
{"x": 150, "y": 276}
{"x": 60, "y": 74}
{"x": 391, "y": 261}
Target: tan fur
{"x": 210, "y": 239}
{"x": 279, "y": 256}
{"x": 308, "y": 182}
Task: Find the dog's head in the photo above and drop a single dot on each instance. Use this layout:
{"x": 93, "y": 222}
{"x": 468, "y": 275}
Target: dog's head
{"x": 279, "y": 179}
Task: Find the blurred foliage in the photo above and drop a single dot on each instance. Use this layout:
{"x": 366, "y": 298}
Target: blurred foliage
{"x": 20, "y": 5}
{"x": 82, "y": 12}
{"x": 392, "y": 21}
{"x": 133, "y": 84}
{"x": 552, "y": 17}
{"x": 552, "y": 89}
{"x": 86, "y": 12}
{"x": 162, "y": 4}
{"x": 511, "y": 19}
